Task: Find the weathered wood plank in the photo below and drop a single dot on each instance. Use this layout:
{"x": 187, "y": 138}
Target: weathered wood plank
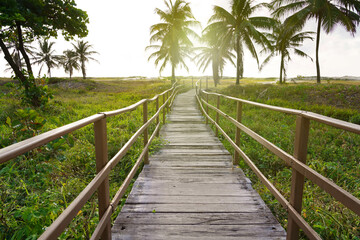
{"x": 196, "y": 208}
{"x": 190, "y": 189}
{"x": 185, "y": 199}
{"x": 195, "y": 218}
{"x": 265, "y": 231}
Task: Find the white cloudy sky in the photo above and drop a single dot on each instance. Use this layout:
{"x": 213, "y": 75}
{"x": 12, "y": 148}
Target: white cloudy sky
{"x": 119, "y": 31}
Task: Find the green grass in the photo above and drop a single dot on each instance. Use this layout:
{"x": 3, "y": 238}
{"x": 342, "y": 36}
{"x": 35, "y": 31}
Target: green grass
{"x": 332, "y": 152}
{"x": 37, "y": 186}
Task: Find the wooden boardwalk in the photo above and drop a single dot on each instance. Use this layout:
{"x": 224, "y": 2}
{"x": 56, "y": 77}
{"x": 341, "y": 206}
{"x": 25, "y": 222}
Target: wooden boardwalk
{"x": 190, "y": 189}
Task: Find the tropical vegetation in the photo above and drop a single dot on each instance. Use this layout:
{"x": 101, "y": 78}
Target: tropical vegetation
{"x": 327, "y": 13}
{"x": 69, "y": 62}
{"x": 213, "y": 52}
{"x": 83, "y": 54}
{"x": 240, "y": 30}
{"x": 284, "y": 39}
{"x": 173, "y": 35}
{"x": 46, "y": 56}
{"x": 29, "y": 19}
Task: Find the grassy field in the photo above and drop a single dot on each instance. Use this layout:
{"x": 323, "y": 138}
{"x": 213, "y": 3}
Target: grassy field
{"x": 332, "y": 152}
{"x": 36, "y": 187}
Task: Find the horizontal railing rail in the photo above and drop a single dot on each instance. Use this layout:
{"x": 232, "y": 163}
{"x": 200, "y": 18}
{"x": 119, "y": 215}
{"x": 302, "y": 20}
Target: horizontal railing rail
{"x": 100, "y": 182}
{"x": 297, "y": 162}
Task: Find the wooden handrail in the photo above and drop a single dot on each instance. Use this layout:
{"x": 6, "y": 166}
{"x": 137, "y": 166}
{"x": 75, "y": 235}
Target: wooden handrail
{"x": 100, "y": 181}
{"x": 351, "y": 127}
{"x": 19, "y": 148}
{"x": 298, "y": 166}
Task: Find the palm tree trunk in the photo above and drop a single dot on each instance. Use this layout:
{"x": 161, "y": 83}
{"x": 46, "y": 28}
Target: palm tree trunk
{"x": 238, "y": 61}
{"x": 318, "y": 80}
{"x": 281, "y": 68}
{"x": 173, "y": 73}
{"x": 215, "y": 69}
{"x": 22, "y": 50}
{"x": 83, "y": 69}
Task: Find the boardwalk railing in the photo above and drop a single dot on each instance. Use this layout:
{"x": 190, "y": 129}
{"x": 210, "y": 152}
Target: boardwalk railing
{"x": 297, "y": 162}
{"x": 100, "y": 182}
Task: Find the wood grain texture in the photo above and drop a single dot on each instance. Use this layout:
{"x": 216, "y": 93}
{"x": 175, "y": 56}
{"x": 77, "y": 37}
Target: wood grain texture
{"x": 191, "y": 190}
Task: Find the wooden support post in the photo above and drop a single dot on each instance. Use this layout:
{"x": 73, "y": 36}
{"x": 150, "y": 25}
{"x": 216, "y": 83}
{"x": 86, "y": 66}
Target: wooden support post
{"x": 101, "y": 153}
{"x": 217, "y": 115}
{"x": 192, "y": 82}
{"x": 168, "y": 103}
{"x": 207, "y": 83}
{"x": 145, "y": 119}
{"x": 158, "y": 117}
{"x": 207, "y": 107}
{"x": 297, "y": 179}
{"x": 237, "y": 134}
{"x": 164, "y": 109}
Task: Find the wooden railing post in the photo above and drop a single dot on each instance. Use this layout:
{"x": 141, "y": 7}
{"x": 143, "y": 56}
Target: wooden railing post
{"x": 200, "y": 84}
{"x": 168, "y": 103}
{"x": 217, "y": 115}
{"x": 158, "y": 117}
{"x": 192, "y": 82}
{"x": 145, "y": 119}
{"x": 237, "y": 133}
{"x": 297, "y": 179}
{"x": 207, "y": 83}
{"x": 164, "y": 109}
{"x": 101, "y": 153}
{"x": 207, "y": 107}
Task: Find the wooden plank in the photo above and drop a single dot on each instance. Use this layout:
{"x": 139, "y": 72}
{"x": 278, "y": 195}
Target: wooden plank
{"x": 190, "y": 189}
{"x": 181, "y": 199}
{"x": 267, "y": 231}
{"x": 195, "y": 218}
{"x": 195, "y": 208}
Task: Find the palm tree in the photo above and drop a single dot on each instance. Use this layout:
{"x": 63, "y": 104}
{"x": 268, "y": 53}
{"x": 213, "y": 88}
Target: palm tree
{"x": 69, "y": 61}
{"x": 214, "y": 52}
{"x": 16, "y": 55}
{"x": 173, "y": 33}
{"x": 283, "y": 39}
{"x": 45, "y": 56}
{"x": 327, "y": 14}
{"x": 83, "y": 52}
{"x": 240, "y": 29}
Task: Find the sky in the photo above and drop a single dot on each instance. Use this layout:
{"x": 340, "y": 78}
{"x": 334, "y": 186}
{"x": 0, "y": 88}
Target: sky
{"x": 119, "y": 32}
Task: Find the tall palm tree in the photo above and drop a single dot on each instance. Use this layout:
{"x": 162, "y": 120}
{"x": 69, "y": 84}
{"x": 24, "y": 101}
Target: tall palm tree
{"x": 240, "y": 29}
{"x": 69, "y": 61}
{"x": 215, "y": 52}
{"x": 173, "y": 33}
{"x": 46, "y": 56}
{"x": 84, "y": 53}
{"x": 283, "y": 39}
{"x": 327, "y": 14}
